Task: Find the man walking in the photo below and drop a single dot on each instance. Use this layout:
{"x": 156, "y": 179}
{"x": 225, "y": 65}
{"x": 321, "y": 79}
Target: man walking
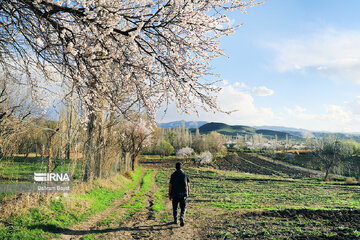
{"x": 179, "y": 189}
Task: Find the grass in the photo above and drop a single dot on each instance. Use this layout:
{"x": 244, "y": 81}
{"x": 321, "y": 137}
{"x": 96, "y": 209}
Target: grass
{"x": 89, "y": 237}
{"x": 245, "y": 192}
{"x": 161, "y": 193}
{"x": 22, "y": 169}
{"x": 220, "y": 198}
{"x": 135, "y": 204}
{"x": 225, "y": 204}
{"x": 42, "y": 222}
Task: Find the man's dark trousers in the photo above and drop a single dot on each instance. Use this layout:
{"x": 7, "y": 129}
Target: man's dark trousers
{"x": 175, "y": 202}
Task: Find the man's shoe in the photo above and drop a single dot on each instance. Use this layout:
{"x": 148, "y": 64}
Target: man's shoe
{"x": 175, "y": 221}
{"x": 182, "y": 222}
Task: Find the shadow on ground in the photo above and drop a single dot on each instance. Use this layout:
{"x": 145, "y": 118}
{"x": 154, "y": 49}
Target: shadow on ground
{"x": 66, "y": 231}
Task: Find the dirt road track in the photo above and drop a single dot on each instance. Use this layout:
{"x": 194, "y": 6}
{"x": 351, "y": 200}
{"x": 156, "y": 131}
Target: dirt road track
{"x": 144, "y": 224}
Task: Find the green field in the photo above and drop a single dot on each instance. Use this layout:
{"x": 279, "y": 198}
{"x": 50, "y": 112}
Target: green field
{"x": 238, "y": 205}
{"x": 15, "y": 169}
{"x": 222, "y": 205}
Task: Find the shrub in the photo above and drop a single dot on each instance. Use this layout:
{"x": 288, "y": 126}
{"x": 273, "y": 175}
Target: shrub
{"x": 204, "y": 158}
{"x": 185, "y": 152}
{"x": 350, "y": 180}
{"x": 164, "y": 148}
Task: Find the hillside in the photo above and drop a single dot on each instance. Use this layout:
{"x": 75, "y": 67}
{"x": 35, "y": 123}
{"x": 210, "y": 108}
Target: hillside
{"x": 234, "y": 130}
{"x": 188, "y": 124}
{"x": 266, "y": 131}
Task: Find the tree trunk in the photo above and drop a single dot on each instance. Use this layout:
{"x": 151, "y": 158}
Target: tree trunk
{"x": 50, "y": 155}
{"x": 326, "y": 173}
{"x": 133, "y": 161}
{"x": 127, "y": 162}
{"x": 99, "y": 151}
{"x": 51, "y": 146}
{"x": 68, "y": 144}
{"x": 90, "y": 150}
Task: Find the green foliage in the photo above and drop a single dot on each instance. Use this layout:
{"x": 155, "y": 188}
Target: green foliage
{"x": 21, "y": 233}
{"x": 331, "y": 152}
{"x": 164, "y": 148}
{"x": 160, "y": 176}
{"x": 145, "y": 183}
{"x": 100, "y": 198}
{"x": 355, "y": 146}
{"x": 158, "y": 202}
{"x": 160, "y": 194}
{"x": 23, "y": 168}
{"x": 135, "y": 175}
{"x": 89, "y": 237}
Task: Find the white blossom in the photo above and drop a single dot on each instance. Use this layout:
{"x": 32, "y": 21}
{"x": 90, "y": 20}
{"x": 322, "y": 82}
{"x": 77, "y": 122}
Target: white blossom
{"x": 185, "y": 152}
{"x": 204, "y": 158}
{"x": 129, "y": 54}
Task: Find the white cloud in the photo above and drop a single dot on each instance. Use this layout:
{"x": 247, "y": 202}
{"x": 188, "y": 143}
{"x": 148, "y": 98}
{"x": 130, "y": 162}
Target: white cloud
{"x": 334, "y": 118}
{"x": 241, "y": 85}
{"x": 229, "y": 99}
{"x": 300, "y": 109}
{"x": 295, "y": 110}
{"x": 354, "y": 105}
{"x": 332, "y": 53}
{"x": 262, "y": 91}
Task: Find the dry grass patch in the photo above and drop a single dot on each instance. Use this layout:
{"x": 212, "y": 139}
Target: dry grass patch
{"x": 350, "y": 180}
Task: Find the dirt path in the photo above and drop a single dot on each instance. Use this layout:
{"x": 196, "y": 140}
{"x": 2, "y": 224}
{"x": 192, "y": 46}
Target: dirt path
{"x": 81, "y": 229}
{"x": 144, "y": 224}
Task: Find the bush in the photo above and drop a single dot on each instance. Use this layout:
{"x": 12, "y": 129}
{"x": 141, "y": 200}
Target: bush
{"x": 185, "y": 152}
{"x": 350, "y": 180}
{"x": 164, "y": 148}
{"x": 204, "y": 158}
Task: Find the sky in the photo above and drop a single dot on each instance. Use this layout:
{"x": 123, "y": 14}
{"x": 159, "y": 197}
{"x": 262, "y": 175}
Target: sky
{"x": 293, "y": 63}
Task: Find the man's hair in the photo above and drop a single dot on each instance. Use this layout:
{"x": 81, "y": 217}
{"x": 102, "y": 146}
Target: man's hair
{"x": 178, "y": 165}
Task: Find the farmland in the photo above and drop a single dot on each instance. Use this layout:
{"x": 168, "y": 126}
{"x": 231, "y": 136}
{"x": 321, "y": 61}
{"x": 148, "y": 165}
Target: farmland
{"x": 224, "y": 204}
{"x": 237, "y": 205}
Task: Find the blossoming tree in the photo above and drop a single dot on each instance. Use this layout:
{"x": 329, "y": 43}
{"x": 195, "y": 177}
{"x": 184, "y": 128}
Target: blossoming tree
{"x": 119, "y": 55}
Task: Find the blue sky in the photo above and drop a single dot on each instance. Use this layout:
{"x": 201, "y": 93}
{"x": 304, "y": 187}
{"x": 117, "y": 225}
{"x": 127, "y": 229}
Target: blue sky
{"x": 293, "y": 63}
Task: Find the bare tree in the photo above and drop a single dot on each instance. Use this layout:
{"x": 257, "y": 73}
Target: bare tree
{"x": 15, "y": 107}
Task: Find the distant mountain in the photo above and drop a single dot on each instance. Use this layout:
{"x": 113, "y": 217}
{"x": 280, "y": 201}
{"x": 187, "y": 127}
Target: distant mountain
{"x": 307, "y": 133}
{"x": 188, "y": 124}
{"x": 267, "y": 131}
{"x": 234, "y": 130}
{"x": 345, "y": 136}
{"x": 300, "y": 132}
{"x": 282, "y": 129}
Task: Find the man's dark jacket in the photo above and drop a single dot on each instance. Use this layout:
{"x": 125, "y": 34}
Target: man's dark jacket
{"x": 179, "y": 180}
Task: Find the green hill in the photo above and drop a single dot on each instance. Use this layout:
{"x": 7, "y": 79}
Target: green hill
{"x": 234, "y": 130}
